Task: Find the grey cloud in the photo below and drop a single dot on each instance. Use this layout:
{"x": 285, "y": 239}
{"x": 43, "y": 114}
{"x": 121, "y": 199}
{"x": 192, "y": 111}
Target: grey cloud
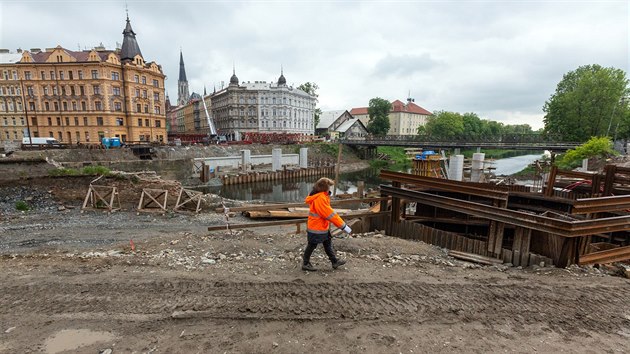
{"x": 403, "y": 65}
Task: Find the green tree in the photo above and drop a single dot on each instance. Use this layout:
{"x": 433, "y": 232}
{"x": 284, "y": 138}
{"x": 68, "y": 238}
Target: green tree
{"x": 587, "y": 103}
{"x": 378, "y": 110}
{"x": 311, "y": 88}
{"x": 444, "y": 124}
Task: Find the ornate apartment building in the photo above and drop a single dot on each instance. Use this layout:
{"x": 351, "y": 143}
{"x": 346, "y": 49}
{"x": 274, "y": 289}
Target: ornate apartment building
{"x": 262, "y": 107}
{"x": 82, "y": 96}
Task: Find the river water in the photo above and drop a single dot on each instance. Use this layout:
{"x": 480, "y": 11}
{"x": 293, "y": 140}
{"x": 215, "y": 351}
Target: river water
{"x": 295, "y": 191}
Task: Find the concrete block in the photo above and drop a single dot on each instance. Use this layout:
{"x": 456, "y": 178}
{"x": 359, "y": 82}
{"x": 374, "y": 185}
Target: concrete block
{"x": 303, "y": 157}
{"x": 246, "y": 160}
{"x": 276, "y": 159}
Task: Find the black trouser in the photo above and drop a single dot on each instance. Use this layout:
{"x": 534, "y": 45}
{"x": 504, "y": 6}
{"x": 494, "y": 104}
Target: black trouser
{"x": 327, "y": 247}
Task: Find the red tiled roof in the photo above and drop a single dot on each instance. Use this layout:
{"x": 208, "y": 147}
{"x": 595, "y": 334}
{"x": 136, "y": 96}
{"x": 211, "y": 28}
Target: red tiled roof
{"x": 397, "y": 106}
{"x": 359, "y": 111}
{"x": 81, "y": 56}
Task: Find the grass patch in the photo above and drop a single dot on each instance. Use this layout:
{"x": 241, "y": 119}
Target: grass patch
{"x": 397, "y": 155}
{"x": 22, "y": 206}
{"x": 95, "y": 170}
{"x": 85, "y": 171}
{"x": 63, "y": 172}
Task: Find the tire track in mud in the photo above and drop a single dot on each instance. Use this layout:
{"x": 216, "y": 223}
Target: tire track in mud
{"x": 570, "y": 307}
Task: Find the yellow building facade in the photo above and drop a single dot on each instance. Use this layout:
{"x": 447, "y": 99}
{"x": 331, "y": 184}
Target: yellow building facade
{"x": 81, "y": 97}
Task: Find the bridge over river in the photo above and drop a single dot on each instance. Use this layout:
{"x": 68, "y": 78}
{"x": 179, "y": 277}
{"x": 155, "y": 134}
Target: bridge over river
{"x": 509, "y": 142}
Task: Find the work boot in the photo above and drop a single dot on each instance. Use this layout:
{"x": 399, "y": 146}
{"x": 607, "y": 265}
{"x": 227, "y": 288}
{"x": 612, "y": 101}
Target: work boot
{"x": 338, "y": 263}
{"x": 308, "y": 267}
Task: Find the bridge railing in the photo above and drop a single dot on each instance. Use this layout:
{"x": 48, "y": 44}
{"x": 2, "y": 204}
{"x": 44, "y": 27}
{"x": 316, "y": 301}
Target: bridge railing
{"x": 498, "y": 139}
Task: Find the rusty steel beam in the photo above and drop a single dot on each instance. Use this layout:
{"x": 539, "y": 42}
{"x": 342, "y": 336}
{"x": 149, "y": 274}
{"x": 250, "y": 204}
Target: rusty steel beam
{"x": 446, "y": 185}
{"x": 601, "y": 205}
{"x": 608, "y": 256}
{"x": 512, "y": 217}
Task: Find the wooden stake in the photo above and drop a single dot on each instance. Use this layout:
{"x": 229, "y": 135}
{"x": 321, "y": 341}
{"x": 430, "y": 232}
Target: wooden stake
{"x": 337, "y": 168}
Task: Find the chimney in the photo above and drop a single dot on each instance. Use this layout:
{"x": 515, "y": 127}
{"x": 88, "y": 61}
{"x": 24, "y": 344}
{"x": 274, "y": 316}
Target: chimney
{"x": 36, "y": 50}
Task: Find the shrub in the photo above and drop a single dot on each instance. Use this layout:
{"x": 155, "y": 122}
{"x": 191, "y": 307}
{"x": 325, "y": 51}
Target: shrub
{"x": 22, "y": 206}
{"x": 596, "y": 147}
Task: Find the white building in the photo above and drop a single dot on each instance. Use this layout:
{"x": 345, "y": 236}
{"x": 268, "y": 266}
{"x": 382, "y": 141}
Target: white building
{"x": 262, "y": 107}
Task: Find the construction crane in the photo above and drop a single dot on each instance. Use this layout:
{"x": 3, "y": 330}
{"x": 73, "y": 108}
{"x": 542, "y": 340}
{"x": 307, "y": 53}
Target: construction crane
{"x": 213, "y": 130}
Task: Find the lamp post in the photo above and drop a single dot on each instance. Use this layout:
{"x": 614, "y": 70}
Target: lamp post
{"x": 28, "y": 125}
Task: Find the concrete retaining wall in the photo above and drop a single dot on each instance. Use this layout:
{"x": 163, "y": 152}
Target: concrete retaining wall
{"x": 14, "y": 169}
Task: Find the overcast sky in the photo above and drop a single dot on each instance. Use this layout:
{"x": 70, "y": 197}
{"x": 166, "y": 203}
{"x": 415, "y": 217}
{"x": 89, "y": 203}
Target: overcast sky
{"x": 500, "y": 59}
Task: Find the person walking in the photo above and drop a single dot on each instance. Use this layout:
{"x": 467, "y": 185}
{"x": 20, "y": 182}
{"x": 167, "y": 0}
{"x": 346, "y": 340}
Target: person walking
{"x": 320, "y": 216}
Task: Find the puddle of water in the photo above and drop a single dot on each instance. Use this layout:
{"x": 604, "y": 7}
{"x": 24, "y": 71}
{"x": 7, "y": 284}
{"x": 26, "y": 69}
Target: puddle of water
{"x": 71, "y": 339}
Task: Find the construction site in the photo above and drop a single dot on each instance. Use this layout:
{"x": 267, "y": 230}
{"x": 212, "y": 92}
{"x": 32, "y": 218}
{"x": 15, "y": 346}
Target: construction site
{"x": 137, "y": 260}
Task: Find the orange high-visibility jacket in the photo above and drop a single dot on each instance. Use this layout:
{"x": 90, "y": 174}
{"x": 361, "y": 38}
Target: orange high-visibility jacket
{"x": 320, "y": 214}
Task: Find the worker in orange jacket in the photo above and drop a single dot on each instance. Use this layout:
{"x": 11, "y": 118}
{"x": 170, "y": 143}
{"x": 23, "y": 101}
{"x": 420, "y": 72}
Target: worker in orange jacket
{"x": 320, "y": 215}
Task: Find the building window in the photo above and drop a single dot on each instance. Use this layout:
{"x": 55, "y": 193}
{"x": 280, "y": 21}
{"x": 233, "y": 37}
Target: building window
{"x": 61, "y": 75}
{"x": 76, "y": 122}
{"x": 144, "y": 94}
{"x": 136, "y": 78}
{"x": 157, "y": 110}
{"x": 56, "y": 104}
{"x": 139, "y": 122}
{"x": 156, "y": 96}
{"x": 156, "y": 83}
{"x": 87, "y": 136}
{"x": 85, "y": 121}
{"x": 78, "y": 135}
{"x": 144, "y": 80}
{"x": 97, "y": 106}
{"x": 27, "y": 75}
{"x": 29, "y": 91}
{"x": 43, "y": 75}
{"x": 115, "y": 76}
{"x": 52, "y": 75}
{"x": 99, "y": 121}
{"x": 137, "y": 92}
{"x": 80, "y": 74}
{"x": 67, "y": 121}
{"x": 94, "y": 74}
{"x": 58, "y": 120}
{"x": 70, "y": 75}
{"x": 46, "y": 90}
{"x": 158, "y": 123}
{"x": 138, "y": 108}
{"x": 81, "y": 90}
{"x": 13, "y": 120}
{"x": 55, "y": 91}
{"x": 83, "y": 106}
{"x": 46, "y": 106}
{"x": 65, "y": 106}
{"x": 146, "y": 108}
{"x": 74, "y": 106}
{"x": 34, "y": 121}
{"x": 116, "y": 91}
{"x": 97, "y": 89}
{"x": 117, "y": 106}
{"x": 119, "y": 122}
{"x": 31, "y": 106}
{"x": 146, "y": 123}
{"x": 63, "y": 90}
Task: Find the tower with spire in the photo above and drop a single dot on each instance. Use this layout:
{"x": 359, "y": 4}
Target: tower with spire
{"x": 130, "y": 47}
{"x": 182, "y": 83}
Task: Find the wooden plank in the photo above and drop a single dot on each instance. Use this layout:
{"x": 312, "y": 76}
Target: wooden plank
{"x": 475, "y": 258}
{"x": 507, "y": 256}
{"x": 288, "y": 222}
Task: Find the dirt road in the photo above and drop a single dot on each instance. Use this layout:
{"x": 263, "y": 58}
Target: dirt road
{"x": 185, "y": 290}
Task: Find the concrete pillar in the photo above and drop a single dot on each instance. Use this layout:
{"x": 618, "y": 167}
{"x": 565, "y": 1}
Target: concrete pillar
{"x": 456, "y": 167}
{"x": 303, "y": 157}
{"x": 478, "y": 150}
{"x": 457, "y": 151}
{"x": 276, "y": 159}
{"x": 584, "y": 165}
{"x": 477, "y": 166}
{"x": 246, "y": 160}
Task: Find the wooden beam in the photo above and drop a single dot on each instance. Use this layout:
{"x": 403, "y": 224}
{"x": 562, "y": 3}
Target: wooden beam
{"x": 264, "y": 207}
{"x": 288, "y": 222}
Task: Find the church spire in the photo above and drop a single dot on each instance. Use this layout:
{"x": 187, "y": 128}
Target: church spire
{"x": 182, "y": 84}
{"x": 130, "y": 46}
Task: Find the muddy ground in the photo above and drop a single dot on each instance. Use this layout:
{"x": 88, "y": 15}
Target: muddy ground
{"x": 89, "y": 282}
